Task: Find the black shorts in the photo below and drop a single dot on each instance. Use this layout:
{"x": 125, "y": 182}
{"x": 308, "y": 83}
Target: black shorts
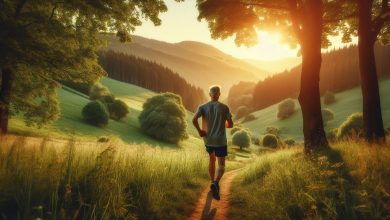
{"x": 219, "y": 151}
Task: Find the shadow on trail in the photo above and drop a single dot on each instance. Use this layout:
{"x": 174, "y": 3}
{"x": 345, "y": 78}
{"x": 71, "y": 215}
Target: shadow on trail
{"x": 208, "y": 213}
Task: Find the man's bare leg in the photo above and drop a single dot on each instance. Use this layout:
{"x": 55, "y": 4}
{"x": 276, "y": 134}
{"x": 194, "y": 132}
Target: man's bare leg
{"x": 212, "y": 166}
{"x": 221, "y": 168}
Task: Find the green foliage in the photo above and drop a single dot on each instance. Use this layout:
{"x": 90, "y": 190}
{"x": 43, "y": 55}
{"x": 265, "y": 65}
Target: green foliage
{"x": 101, "y": 92}
{"x": 286, "y": 109}
{"x": 289, "y": 142}
{"x": 58, "y": 175}
{"x": 270, "y": 140}
{"x": 248, "y": 118}
{"x": 44, "y": 42}
{"x": 242, "y": 111}
{"x": 352, "y": 127}
{"x": 329, "y": 98}
{"x": 164, "y": 117}
{"x": 242, "y": 139}
{"x": 327, "y": 115}
{"x": 118, "y": 109}
{"x": 95, "y": 113}
{"x": 236, "y": 127}
{"x": 272, "y": 130}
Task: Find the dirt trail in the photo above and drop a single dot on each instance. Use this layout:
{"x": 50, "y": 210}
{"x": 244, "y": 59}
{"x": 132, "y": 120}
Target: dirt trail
{"x": 208, "y": 208}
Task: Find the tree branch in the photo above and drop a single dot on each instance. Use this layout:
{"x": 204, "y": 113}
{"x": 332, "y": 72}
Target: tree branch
{"x": 380, "y": 20}
{"x": 348, "y": 16}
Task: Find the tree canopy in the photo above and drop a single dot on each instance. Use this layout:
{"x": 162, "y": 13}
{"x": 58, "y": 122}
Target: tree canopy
{"x": 46, "y": 41}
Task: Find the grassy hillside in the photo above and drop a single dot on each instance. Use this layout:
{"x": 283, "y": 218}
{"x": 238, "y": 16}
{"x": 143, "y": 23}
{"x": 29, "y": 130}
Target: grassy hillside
{"x": 71, "y": 123}
{"x": 193, "y": 65}
{"x": 346, "y": 103}
{"x": 349, "y": 181}
{"x": 53, "y": 179}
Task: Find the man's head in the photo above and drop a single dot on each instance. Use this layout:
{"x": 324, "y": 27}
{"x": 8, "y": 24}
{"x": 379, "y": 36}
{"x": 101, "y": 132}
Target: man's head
{"x": 215, "y": 92}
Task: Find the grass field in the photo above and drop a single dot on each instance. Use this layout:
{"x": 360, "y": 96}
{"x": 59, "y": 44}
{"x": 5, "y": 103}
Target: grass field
{"x": 50, "y": 179}
{"x": 71, "y": 124}
{"x": 349, "y": 181}
{"x": 346, "y": 103}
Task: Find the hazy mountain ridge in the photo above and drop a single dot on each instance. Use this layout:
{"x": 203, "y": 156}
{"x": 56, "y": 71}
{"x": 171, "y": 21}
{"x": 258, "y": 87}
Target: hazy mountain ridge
{"x": 200, "y": 68}
{"x": 275, "y": 66}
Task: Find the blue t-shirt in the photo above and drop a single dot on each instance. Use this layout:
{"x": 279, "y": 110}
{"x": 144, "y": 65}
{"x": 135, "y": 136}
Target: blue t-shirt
{"x": 214, "y": 115}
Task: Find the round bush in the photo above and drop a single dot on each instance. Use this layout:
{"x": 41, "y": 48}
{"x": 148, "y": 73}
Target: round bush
{"x": 242, "y": 139}
{"x": 249, "y": 117}
{"x": 272, "y": 130}
{"x": 286, "y": 109}
{"x": 242, "y": 111}
{"x": 98, "y": 91}
{"x": 96, "y": 113}
{"x": 164, "y": 117}
{"x": 118, "y": 109}
{"x": 107, "y": 99}
{"x": 327, "y": 115}
{"x": 289, "y": 142}
{"x": 352, "y": 127}
{"x": 329, "y": 98}
{"x": 270, "y": 140}
{"x": 236, "y": 128}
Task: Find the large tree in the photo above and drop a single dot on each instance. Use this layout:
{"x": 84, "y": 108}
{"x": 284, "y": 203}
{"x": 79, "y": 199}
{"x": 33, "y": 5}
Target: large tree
{"x": 301, "y": 22}
{"x": 46, "y": 41}
{"x": 373, "y": 16}
{"x": 370, "y": 21}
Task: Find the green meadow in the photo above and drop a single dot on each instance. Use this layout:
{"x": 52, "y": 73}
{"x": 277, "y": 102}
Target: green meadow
{"x": 71, "y": 124}
{"x": 347, "y": 102}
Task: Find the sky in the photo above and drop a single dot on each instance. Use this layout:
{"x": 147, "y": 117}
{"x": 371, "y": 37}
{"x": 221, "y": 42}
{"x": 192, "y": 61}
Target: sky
{"x": 180, "y": 23}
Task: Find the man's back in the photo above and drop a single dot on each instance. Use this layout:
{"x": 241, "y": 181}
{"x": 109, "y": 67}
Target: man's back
{"x": 214, "y": 115}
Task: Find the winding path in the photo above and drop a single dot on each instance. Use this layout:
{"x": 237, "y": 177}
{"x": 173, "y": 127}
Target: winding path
{"x": 208, "y": 208}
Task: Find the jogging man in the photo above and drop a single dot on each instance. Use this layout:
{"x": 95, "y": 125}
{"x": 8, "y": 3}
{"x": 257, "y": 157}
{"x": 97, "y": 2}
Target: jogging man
{"x": 216, "y": 117}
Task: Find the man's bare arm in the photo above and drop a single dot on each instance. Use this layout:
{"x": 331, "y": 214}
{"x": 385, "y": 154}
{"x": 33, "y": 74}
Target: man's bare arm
{"x": 229, "y": 123}
{"x": 196, "y": 124}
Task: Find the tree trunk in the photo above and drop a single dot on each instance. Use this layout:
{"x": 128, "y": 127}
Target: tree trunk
{"x": 5, "y": 92}
{"x": 372, "y": 115}
{"x": 309, "y": 96}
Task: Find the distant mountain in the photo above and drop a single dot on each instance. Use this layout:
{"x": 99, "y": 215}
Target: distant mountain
{"x": 275, "y": 66}
{"x": 198, "y": 63}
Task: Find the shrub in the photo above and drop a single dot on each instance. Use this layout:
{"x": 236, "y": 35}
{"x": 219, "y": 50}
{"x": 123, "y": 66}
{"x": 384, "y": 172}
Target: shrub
{"x": 242, "y": 111}
{"x": 118, "y": 109}
{"x": 352, "y": 127}
{"x": 327, "y": 115}
{"x": 286, "y": 109}
{"x": 107, "y": 99}
{"x": 270, "y": 140}
{"x": 289, "y": 142}
{"x": 96, "y": 113}
{"x": 164, "y": 117}
{"x": 249, "y": 117}
{"x": 236, "y": 128}
{"x": 98, "y": 91}
{"x": 329, "y": 98}
{"x": 242, "y": 139}
{"x": 272, "y": 130}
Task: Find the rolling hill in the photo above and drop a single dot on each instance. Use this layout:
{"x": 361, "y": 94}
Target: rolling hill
{"x": 347, "y": 102}
{"x": 200, "y": 64}
{"x": 71, "y": 124}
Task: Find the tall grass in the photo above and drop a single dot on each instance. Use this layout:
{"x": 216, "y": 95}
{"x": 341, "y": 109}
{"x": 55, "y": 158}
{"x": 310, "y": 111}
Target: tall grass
{"x": 41, "y": 178}
{"x": 349, "y": 181}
